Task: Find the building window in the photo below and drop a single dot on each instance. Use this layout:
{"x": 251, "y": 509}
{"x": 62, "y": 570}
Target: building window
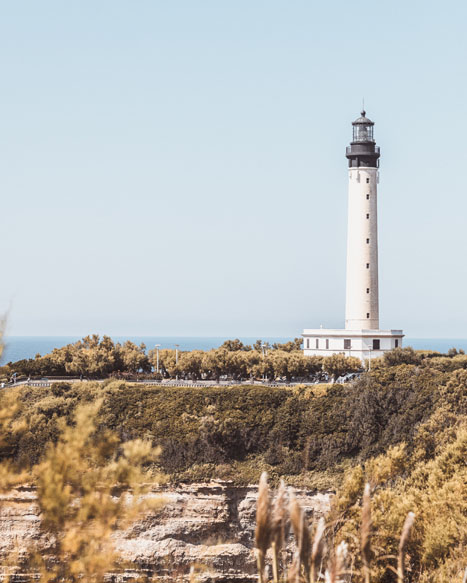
{"x": 308, "y": 343}
{"x": 397, "y": 343}
{"x": 367, "y": 315}
{"x": 368, "y": 240}
{"x": 368, "y": 181}
{"x": 317, "y": 343}
{"x": 368, "y": 197}
{"x": 376, "y": 344}
{"x": 367, "y": 290}
{"x": 327, "y": 343}
{"x": 347, "y": 344}
{"x": 367, "y": 215}
{"x": 368, "y": 266}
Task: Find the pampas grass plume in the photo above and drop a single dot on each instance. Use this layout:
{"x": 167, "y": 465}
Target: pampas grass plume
{"x": 317, "y": 550}
{"x": 366, "y": 533}
{"x": 263, "y": 524}
{"x": 403, "y": 545}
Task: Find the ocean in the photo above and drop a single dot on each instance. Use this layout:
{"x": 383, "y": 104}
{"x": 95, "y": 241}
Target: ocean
{"x": 19, "y": 347}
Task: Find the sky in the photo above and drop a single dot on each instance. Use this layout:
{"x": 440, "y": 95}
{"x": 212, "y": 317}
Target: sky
{"x": 178, "y": 167}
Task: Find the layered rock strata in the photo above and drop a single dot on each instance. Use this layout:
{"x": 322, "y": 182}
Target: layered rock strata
{"x": 210, "y": 526}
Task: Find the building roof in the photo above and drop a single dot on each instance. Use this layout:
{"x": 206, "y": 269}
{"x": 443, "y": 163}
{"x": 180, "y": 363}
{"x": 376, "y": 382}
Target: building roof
{"x": 363, "y": 120}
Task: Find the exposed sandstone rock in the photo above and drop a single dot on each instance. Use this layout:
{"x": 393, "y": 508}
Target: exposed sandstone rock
{"x": 210, "y": 526}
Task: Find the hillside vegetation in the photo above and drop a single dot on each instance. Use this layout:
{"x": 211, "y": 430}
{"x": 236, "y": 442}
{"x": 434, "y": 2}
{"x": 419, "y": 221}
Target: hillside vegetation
{"x": 235, "y": 432}
{"x": 401, "y": 428}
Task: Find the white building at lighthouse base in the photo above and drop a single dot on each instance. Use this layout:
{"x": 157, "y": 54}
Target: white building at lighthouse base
{"x": 363, "y": 344}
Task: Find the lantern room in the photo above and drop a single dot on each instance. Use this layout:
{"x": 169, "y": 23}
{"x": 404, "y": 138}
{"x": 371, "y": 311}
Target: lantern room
{"x": 363, "y": 129}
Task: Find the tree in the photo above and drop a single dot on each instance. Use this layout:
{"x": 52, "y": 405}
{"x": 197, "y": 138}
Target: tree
{"x": 92, "y": 357}
{"x": 401, "y": 356}
{"x": 166, "y": 361}
{"x": 291, "y": 346}
{"x": 214, "y": 363}
{"x": 133, "y": 358}
{"x": 234, "y": 345}
{"x": 237, "y": 364}
{"x": 254, "y": 361}
{"x": 279, "y": 360}
{"x": 338, "y": 365}
{"x": 258, "y": 345}
{"x": 190, "y": 364}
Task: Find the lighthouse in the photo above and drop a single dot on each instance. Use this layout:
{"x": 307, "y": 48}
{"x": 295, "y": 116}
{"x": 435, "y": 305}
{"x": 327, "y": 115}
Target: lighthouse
{"x": 362, "y": 305}
{"x": 361, "y": 336}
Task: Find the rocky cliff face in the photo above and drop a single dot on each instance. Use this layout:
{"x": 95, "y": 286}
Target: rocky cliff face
{"x": 207, "y": 525}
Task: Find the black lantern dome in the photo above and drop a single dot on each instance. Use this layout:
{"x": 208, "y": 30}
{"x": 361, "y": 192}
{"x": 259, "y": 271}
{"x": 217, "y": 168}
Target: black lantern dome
{"x": 363, "y": 150}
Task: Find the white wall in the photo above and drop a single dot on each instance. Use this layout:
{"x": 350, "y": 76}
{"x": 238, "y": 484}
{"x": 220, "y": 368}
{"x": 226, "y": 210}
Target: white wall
{"x": 359, "y": 303}
{"x": 361, "y": 346}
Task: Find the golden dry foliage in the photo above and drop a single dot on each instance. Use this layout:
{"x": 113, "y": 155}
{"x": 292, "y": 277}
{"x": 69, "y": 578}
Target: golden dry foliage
{"x": 312, "y": 563}
{"x": 10, "y": 474}
{"x": 434, "y": 489}
{"x": 87, "y": 486}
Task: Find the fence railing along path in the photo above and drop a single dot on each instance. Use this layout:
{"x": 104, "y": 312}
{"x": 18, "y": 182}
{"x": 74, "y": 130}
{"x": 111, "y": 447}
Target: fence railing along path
{"x": 166, "y": 383}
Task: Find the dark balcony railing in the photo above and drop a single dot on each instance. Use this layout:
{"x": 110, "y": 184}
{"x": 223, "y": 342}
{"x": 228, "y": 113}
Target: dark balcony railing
{"x": 362, "y": 149}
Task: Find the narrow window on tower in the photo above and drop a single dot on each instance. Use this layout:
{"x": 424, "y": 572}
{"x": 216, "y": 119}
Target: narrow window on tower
{"x": 368, "y": 197}
{"x": 367, "y": 290}
{"x": 367, "y": 215}
{"x": 367, "y": 180}
{"x": 368, "y": 240}
{"x": 367, "y": 315}
{"x": 368, "y": 266}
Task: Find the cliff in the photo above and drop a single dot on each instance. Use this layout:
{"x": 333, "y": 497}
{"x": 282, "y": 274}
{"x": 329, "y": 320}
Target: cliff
{"x": 207, "y": 525}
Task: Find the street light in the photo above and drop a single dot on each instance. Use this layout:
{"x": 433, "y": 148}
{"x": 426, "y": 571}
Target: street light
{"x": 263, "y": 346}
{"x": 177, "y": 346}
{"x": 157, "y": 358}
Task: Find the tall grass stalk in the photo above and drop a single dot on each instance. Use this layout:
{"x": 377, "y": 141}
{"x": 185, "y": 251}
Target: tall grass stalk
{"x": 403, "y": 546}
{"x": 278, "y": 530}
{"x": 317, "y": 551}
{"x": 263, "y": 525}
{"x": 271, "y": 529}
{"x": 366, "y": 533}
{"x": 337, "y": 565}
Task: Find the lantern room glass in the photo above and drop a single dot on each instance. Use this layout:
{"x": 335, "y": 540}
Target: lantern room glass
{"x": 363, "y": 132}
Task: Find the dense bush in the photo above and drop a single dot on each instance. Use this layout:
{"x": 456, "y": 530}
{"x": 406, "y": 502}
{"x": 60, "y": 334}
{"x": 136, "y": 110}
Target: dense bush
{"x": 289, "y": 430}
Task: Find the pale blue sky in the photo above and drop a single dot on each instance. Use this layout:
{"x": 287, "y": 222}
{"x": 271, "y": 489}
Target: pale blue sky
{"x": 177, "y": 167}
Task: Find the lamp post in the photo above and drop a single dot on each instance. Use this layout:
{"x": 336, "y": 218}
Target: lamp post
{"x": 263, "y": 345}
{"x": 157, "y": 358}
{"x": 177, "y": 346}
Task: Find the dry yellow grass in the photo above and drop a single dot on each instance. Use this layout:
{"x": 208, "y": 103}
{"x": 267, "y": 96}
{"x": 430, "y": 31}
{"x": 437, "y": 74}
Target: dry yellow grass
{"x": 308, "y": 565}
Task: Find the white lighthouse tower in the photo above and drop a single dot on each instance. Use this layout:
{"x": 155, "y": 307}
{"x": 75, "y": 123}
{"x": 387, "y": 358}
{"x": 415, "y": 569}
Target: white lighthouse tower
{"x": 362, "y": 336}
{"x": 362, "y": 306}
